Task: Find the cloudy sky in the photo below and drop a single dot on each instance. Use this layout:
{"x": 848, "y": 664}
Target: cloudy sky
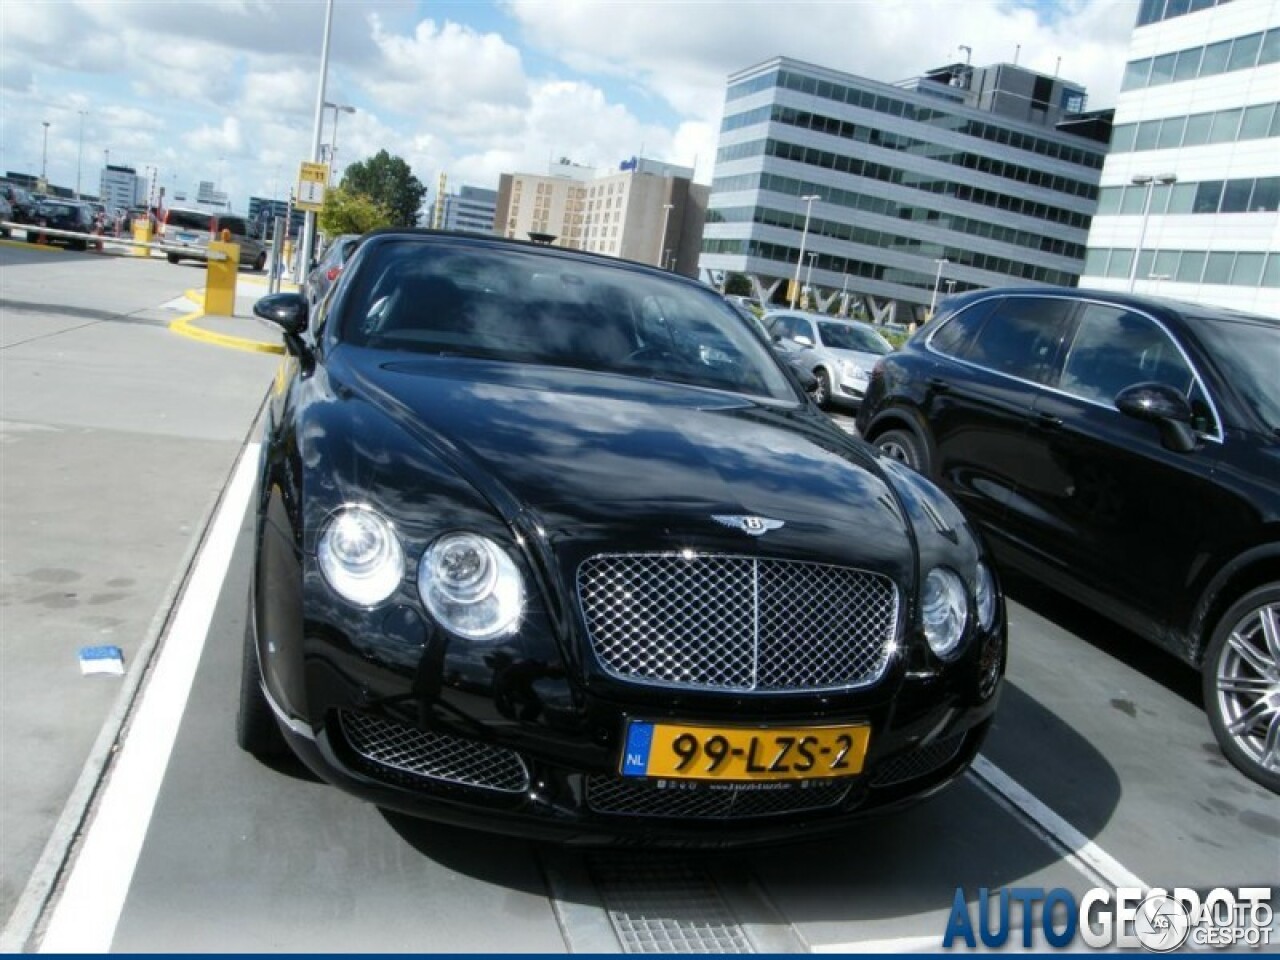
{"x": 226, "y": 91}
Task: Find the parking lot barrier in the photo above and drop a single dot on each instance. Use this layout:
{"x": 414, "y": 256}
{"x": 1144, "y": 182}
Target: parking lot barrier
{"x": 220, "y": 284}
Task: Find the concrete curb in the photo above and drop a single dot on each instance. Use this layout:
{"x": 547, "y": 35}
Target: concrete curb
{"x": 56, "y": 856}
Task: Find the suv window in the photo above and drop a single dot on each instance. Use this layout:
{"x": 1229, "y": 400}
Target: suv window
{"x": 1022, "y": 337}
{"x": 1115, "y": 348}
{"x": 188, "y": 220}
{"x": 955, "y": 334}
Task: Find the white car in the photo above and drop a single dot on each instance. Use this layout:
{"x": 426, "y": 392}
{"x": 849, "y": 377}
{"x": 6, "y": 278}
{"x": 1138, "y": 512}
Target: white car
{"x": 839, "y": 353}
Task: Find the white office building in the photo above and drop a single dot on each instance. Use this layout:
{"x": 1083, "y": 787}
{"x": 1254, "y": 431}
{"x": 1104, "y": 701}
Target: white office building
{"x": 120, "y": 188}
{"x": 1192, "y": 182}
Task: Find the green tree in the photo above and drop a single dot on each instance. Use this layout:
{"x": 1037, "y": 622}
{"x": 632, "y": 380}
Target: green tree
{"x": 346, "y": 211}
{"x": 737, "y": 284}
{"x": 389, "y": 182}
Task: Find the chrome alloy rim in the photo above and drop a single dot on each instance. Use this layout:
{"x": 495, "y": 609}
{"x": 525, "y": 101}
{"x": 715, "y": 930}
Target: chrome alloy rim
{"x": 820, "y": 391}
{"x": 895, "y": 451}
{"x": 1248, "y": 675}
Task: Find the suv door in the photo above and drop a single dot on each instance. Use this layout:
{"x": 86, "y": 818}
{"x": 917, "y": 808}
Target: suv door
{"x": 1104, "y": 504}
{"x": 989, "y": 363}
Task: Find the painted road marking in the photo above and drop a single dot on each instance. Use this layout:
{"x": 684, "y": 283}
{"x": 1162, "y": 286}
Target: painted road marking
{"x": 185, "y": 326}
{"x": 85, "y": 917}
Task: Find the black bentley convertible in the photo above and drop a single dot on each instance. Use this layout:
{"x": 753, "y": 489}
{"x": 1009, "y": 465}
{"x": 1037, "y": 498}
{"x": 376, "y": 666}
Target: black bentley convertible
{"x": 551, "y": 544}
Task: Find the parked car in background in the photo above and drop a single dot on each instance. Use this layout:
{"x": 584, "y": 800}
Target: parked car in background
{"x": 20, "y": 200}
{"x": 187, "y": 233}
{"x": 62, "y": 215}
{"x": 335, "y": 257}
{"x": 839, "y": 353}
{"x": 1125, "y": 451}
{"x": 6, "y": 215}
{"x": 530, "y": 557}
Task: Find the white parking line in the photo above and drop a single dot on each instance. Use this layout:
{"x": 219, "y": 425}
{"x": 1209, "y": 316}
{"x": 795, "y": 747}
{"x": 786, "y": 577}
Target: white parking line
{"x": 1079, "y": 851}
{"x": 85, "y": 918}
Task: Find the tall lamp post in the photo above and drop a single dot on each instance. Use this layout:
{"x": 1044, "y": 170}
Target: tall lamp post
{"x": 808, "y": 276}
{"x": 795, "y": 286}
{"x": 1149, "y": 182}
{"x": 44, "y": 153}
{"x": 662, "y": 237}
{"x": 937, "y": 280}
{"x": 333, "y": 144}
{"x": 309, "y": 225}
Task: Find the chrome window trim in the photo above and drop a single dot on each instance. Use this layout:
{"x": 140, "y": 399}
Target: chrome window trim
{"x": 1217, "y": 436}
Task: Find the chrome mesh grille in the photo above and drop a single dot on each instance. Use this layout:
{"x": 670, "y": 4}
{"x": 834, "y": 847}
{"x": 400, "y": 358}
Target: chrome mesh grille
{"x": 643, "y": 799}
{"x": 436, "y": 756}
{"x": 918, "y": 763}
{"x": 737, "y": 623}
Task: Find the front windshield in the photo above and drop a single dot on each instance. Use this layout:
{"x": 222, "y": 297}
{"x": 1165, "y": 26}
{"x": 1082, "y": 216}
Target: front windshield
{"x": 526, "y": 306}
{"x": 1248, "y": 354}
{"x": 848, "y": 336}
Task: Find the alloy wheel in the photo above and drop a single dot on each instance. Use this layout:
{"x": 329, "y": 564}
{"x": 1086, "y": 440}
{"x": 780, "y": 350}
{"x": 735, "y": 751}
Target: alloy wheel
{"x": 1248, "y": 685}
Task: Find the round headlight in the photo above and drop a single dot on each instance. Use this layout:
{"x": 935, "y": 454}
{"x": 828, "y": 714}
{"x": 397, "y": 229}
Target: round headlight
{"x": 471, "y": 586}
{"x": 943, "y": 610}
{"x": 360, "y": 556}
{"x": 985, "y": 597}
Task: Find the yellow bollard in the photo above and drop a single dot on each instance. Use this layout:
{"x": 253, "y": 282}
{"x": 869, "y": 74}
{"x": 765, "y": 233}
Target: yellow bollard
{"x": 220, "y": 285}
{"x": 141, "y": 234}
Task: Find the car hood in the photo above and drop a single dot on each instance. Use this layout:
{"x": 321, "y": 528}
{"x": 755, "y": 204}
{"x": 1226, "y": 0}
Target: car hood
{"x": 592, "y": 448}
{"x": 858, "y": 356}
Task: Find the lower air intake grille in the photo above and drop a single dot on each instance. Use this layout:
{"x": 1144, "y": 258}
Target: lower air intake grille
{"x": 918, "y": 763}
{"x": 434, "y": 756}
{"x": 620, "y": 796}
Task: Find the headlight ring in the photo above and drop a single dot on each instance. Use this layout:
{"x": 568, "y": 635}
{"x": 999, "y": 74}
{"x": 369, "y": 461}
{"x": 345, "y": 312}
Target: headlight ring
{"x": 360, "y": 555}
{"x": 944, "y": 611}
{"x": 471, "y": 586}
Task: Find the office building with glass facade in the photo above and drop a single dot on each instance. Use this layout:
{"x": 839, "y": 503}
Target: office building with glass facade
{"x": 1192, "y": 183}
{"x": 967, "y": 177}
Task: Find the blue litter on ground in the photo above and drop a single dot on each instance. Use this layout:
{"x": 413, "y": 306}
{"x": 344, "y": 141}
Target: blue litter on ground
{"x": 103, "y": 659}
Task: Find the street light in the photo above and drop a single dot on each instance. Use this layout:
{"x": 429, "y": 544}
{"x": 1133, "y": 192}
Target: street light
{"x": 795, "y": 286}
{"x": 1148, "y": 181}
{"x": 44, "y": 153}
{"x": 808, "y": 276}
{"x": 933, "y": 301}
{"x": 662, "y": 238}
{"x": 80, "y": 152}
{"x": 333, "y": 144}
{"x": 309, "y": 224}
{"x": 844, "y": 297}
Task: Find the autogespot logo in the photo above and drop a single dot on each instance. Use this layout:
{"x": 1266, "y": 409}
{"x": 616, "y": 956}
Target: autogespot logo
{"x": 1128, "y": 917}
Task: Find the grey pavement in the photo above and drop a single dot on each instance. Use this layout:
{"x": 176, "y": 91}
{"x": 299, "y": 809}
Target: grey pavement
{"x": 116, "y": 436}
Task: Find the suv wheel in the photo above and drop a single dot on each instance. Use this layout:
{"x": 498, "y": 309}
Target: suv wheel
{"x": 261, "y": 263}
{"x": 172, "y": 257}
{"x": 905, "y": 447}
{"x": 1241, "y": 679}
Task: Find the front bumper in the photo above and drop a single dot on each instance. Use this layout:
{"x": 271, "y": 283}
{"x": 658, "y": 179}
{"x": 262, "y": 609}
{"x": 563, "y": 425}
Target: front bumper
{"x": 557, "y": 776}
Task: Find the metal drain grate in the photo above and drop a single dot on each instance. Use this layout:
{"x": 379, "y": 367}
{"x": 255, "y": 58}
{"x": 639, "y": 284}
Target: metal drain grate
{"x": 664, "y": 904}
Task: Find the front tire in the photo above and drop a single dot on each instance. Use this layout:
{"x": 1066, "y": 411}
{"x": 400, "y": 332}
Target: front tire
{"x": 172, "y": 257}
{"x": 822, "y": 392}
{"x": 1241, "y": 677}
{"x": 905, "y": 447}
{"x": 261, "y": 263}
{"x": 257, "y": 729}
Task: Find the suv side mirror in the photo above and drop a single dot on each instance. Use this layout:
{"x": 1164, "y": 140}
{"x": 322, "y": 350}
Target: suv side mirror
{"x": 288, "y": 311}
{"x": 1164, "y": 406}
{"x": 804, "y": 341}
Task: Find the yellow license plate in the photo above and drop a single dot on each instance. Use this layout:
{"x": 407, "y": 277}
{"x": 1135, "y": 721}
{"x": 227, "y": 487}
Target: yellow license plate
{"x": 688, "y": 752}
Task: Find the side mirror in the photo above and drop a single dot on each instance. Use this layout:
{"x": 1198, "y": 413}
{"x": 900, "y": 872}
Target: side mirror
{"x": 807, "y": 380}
{"x": 804, "y": 341}
{"x": 288, "y": 311}
{"x": 1164, "y": 406}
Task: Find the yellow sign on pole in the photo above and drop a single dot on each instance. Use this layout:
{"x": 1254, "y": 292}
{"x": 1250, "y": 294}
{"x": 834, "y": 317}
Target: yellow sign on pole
{"x": 313, "y": 178}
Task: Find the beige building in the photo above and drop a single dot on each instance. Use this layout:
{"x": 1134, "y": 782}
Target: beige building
{"x": 647, "y": 211}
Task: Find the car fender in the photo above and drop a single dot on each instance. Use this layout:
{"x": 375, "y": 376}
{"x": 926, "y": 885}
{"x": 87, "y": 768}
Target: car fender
{"x": 1242, "y": 572}
{"x": 902, "y": 417}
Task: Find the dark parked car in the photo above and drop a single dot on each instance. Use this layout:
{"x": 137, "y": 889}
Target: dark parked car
{"x": 529, "y": 557}
{"x": 20, "y": 200}
{"x": 62, "y": 215}
{"x": 1123, "y": 450}
{"x": 335, "y": 257}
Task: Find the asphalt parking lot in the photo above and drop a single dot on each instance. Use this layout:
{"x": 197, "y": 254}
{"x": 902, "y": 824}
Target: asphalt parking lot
{"x": 120, "y": 443}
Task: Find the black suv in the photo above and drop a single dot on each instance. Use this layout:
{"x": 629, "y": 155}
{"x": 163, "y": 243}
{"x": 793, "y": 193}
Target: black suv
{"x": 1125, "y": 450}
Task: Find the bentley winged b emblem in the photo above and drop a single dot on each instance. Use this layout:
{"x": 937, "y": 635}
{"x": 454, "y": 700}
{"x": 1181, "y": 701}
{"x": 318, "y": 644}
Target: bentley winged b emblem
{"x": 754, "y": 526}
